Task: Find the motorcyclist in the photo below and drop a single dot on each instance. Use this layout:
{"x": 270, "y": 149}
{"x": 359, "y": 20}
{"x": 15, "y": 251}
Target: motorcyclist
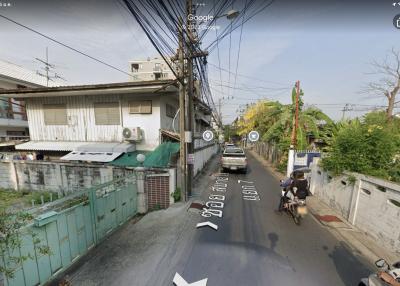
{"x": 295, "y": 186}
{"x": 299, "y": 186}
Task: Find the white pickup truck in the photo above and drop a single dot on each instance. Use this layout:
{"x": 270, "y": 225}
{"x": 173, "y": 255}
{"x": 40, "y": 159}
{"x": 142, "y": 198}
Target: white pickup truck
{"x": 234, "y": 159}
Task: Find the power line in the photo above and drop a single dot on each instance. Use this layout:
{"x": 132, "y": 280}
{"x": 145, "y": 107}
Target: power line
{"x": 64, "y": 45}
{"x": 240, "y": 42}
{"x": 229, "y": 54}
{"x": 246, "y": 76}
{"x": 219, "y": 59}
{"x": 252, "y": 87}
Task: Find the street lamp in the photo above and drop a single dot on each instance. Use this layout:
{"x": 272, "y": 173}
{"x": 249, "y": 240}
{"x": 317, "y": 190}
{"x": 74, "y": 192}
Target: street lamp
{"x": 232, "y": 14}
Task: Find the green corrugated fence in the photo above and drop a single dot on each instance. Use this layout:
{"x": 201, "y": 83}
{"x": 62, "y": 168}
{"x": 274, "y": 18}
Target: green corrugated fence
{"x": 69, "y": 228}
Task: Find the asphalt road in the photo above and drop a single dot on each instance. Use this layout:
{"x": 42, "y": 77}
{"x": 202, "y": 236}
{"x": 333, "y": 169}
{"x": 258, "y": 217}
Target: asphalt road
{"x": 256, "y": 246}
{"x": 253, "y": 245}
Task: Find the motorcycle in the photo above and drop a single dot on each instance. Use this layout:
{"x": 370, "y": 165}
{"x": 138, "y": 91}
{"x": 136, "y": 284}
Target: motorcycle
{"x": 374, "y": 279}
{"x": 295, "y": 207}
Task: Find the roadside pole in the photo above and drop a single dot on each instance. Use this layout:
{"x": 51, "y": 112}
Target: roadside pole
{"x": 190, "y": 105}
{"x": 293, "y": 143}
{"x": 191, "y": 42}
{"x": 181, "y": 73}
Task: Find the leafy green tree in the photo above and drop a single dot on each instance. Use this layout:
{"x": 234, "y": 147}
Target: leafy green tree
{"x": 369, "y": 146}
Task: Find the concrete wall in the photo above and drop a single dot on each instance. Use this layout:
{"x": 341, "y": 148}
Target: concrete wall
{"x": 370, "y": 204}
{"x": 202, "y": 155}
{"x": 54, "y": 176}
{"x": 66, "y": 178}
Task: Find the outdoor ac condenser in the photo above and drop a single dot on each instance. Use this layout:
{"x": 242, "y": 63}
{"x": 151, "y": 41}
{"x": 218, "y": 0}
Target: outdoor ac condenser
{"x": 132, "y": 133}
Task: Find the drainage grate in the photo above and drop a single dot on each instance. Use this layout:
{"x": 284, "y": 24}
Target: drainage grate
{"x": 198, "y": 206}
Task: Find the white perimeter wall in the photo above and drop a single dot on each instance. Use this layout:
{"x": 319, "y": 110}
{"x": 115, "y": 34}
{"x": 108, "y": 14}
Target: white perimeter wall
{"x": 368, "y": 203}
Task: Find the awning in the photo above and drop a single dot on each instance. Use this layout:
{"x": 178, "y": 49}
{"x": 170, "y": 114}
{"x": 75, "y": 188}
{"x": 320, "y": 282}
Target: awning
{"x": 48, "y": 146}
{"x": 76, "y": 146}
{"x": 91, "y": 156}
{"x": 203, "y": 119}
{"x": 159, "y": 158}
{"x": 106, "y": 147}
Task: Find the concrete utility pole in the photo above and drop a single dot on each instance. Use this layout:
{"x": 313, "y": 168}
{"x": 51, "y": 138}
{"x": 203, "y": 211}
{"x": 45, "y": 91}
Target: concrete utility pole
{"x": 296, "y": 116}
{"x": 189, "y": 54}
{"x": 293, "y": 143}
{"x": 190, "y": 87}
{"x": 181, "y": 74}
{"x": 345, "y": 109}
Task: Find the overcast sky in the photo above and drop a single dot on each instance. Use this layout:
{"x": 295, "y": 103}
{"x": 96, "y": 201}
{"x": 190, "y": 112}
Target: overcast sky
{"x": 327, "y": 45}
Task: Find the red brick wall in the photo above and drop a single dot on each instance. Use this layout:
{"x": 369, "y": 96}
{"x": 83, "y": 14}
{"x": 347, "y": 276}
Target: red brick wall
{"x": 157, "y": 188}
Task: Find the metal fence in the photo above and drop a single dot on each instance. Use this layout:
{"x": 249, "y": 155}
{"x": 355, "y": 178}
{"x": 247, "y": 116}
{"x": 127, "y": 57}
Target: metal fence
{"x": 69, "y": 227}
{"x": 269, "y": 151}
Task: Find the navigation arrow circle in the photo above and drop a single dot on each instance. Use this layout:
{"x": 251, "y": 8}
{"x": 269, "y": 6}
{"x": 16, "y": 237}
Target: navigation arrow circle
{"x": 254, "y": 136}
{"x": 208, "y": 135}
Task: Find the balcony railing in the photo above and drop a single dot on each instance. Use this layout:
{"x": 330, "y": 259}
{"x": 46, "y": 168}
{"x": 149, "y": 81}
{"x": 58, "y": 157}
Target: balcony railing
{"x": 11, "y": 115}
{"x": 157, "y": 70}
{"x": 13, "y": 138}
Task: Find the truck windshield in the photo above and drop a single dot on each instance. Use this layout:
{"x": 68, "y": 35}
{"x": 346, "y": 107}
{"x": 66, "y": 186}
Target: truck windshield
{"x": 234, "y": 153}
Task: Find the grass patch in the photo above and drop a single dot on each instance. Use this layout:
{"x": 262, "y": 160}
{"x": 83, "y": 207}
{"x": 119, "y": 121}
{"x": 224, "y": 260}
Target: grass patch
{"x": 10, "y": 198}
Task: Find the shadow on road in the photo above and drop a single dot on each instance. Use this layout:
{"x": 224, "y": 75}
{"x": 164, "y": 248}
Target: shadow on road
{"x": 349, "y": 267}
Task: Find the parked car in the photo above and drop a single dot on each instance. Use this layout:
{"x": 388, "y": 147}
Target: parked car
{"x": 229, "y": 145}
{"x": 234, "y": 158}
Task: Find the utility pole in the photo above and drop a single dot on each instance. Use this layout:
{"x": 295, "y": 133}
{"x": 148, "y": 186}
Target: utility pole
{"x": 181, "y": 74}
{"x": 296, "y": 116}
{"x": 219, "y": 109}
{"x": 190, "y": 87}
{"x": 345, "y": 109}
{"x": 293, "y": 143}
{"x": 184, "y": 61}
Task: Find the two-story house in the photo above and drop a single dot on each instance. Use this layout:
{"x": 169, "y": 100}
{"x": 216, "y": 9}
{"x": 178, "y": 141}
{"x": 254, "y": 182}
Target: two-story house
{"x": 102, "y": 121}
{"x": 13, "y": 120}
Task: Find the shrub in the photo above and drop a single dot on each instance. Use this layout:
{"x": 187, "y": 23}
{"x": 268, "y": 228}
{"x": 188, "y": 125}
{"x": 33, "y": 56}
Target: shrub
{"x": 364, "y": 147}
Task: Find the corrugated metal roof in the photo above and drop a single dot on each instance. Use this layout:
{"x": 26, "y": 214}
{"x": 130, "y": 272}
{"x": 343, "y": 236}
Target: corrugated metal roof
{"x": 104, "y": 157}
{"x": 19, "y": 73}
{"x": 76, "y": 146}
{"x": 150, "y": 85}
{"x": 48, "y": 146}
{"x": 106, "y": 147}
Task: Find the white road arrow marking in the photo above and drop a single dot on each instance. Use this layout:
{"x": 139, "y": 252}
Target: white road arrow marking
{"x": 207, "y": 223}
{"x": 179, "y": 281}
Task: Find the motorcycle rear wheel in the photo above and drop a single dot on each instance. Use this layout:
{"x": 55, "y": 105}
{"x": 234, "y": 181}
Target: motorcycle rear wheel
{"x": 296, "y": 219}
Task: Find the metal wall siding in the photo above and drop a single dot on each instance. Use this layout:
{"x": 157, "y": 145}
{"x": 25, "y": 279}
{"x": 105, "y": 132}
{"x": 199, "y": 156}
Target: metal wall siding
{"x": 81, "y": 120}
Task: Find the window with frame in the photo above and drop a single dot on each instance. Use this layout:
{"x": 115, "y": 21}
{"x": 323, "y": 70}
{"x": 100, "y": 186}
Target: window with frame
{"x": 140, "y": 107}
{"x": 170, "y": 110}
{"x": 107, "y": 113}
{"x": 135, "y": 67}
{"x": 55, "y": 114}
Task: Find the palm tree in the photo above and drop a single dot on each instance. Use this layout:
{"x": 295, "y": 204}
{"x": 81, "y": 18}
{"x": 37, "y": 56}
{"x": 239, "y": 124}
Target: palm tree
{"x": 275, "y": 122}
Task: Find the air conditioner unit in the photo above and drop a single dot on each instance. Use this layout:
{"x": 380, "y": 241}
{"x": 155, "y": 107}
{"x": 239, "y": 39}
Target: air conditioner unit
{"x": 132, "y": 134}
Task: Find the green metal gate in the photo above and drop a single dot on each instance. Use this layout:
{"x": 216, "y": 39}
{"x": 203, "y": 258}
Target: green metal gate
{"x": 69, "y": 227}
